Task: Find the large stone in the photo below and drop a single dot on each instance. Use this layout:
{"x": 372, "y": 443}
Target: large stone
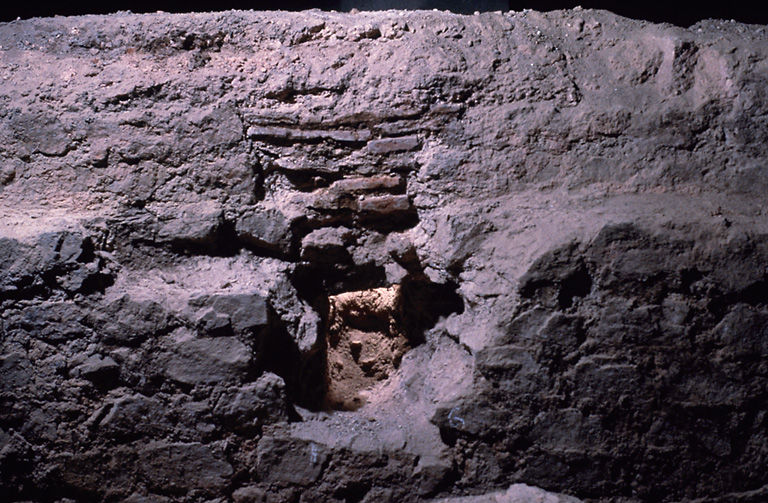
{"x": 177, "y": 466}
{"x": 41, "y": 134}
{"x": 286, "y": 461}
{"x": 102, "y": 371}
{"x": 45, "y": 263}
{"x": 129, "y": 321}
{"x": 250, "y": 406}
{"x": 54, "y": 321}
{"x": 208, "y": 360}
{"x": 242, "y": 313}
{"x": 267, "y": 229}
{"x": 131, "y": 416}
{"x": 191, "y": 223}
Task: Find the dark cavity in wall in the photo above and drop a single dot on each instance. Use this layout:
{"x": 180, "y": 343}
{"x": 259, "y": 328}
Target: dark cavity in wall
{"x": 366, "y": 332}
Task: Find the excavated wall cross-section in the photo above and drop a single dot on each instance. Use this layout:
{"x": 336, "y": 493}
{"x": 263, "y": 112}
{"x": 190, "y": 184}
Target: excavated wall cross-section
{"x": 383, "y": 257}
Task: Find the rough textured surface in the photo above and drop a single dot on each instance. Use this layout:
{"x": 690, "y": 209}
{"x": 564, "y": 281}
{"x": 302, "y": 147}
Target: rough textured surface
{"x": 570, "y": 205}
{"x": 517, "y": 493}
{"x": 364, "y": 344}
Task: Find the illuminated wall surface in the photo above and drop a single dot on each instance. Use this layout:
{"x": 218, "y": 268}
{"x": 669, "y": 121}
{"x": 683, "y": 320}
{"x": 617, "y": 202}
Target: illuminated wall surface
{"x": 466, "y": 6}
{"x": 383, "y": 257}
{"x": 677, "y": 13}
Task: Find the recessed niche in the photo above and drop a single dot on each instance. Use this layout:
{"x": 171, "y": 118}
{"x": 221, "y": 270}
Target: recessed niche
{"x": 365, "y": 342}
{"x": 369, "y": 331}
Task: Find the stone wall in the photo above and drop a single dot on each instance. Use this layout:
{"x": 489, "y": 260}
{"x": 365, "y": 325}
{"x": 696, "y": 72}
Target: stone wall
{"x": 568, "y": 206}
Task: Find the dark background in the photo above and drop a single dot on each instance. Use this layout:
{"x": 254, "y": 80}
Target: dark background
{"x": 681, "y": 14}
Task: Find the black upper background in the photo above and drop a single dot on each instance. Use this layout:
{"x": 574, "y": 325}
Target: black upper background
{"x": 676, "y": 13}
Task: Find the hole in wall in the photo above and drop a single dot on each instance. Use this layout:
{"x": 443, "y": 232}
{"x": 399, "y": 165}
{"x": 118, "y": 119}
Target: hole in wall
{"x": 369, "y": 331}
{"x": 576, "y": 284}
{"x": 365, "y": 342}
{"x": 222, "y": 241}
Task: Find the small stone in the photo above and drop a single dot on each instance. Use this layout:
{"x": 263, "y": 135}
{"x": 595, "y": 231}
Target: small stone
{"x": 7, "y": 174}
{"x": 249, "y": 494}
{"x": 384, "y": 204}
{"x": 134, "y": 416}
{"x": 325, "y": 244}
{"x": 346, "y": 136}
{"x": 390, "y": 145}
{"x": 447, "y": 108}
{"x": 265, "y": 229}
{"x": 431, "y": 472}
{"x": 383, "y": 182}
{"x": 327, "y": 237}
{"x": 331, "y": 200}
{"x": 15, "y": 370}
{"x": 394, "y": 272}
{"x": 149, "y": 498}
{"x": 99, "y": 370}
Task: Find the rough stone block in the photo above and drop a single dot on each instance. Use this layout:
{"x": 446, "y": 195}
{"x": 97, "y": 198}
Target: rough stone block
{"x": 102, "y": 371}
{"x": 169, "y": 465}
{"x": 328, "y": 244}
{"x": 194, "y": 222}
{"x": 208, "y": 360}
{"x": 247, "y": 408}
{"x": 364, "y": 184}
{"x": 134, "y": 415}
{"x": 280, "y": 133}
{"x": 392, "y": 145}
{"x": 246, "y": 311}
{"x": 385, "y": 205}
{"x": 287, "y": 461}
{"x": 266, "y": 229}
